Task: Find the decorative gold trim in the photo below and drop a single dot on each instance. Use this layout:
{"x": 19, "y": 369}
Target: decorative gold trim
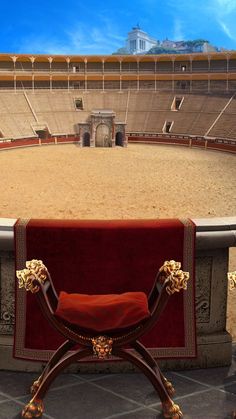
{"x": 102, "y": 346}
{"x": 172, "y": 275}
{"x": 171, "y": 410}
{"x": 34, "y": 409}
{"x": 35, "y": 272}
{"x": 114, "y": 339}
{"x": 232, "y": 280}
{"x": 169, "y": 387}
{"x": 35, "y": 386}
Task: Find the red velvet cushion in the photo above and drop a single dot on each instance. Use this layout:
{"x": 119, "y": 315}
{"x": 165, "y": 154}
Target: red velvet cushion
{"x": 103, "y": 312}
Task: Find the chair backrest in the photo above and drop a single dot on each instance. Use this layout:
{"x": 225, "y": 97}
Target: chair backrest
{"x": 36, "y": 278}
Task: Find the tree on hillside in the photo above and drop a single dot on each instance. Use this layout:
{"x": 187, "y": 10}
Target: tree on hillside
{"x": 196, "y": 42}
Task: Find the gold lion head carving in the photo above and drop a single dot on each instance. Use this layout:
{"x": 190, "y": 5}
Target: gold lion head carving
{"x": 174, "y": 278}
{"x": 102, "y": 346}
{"x": 34, "y": 274}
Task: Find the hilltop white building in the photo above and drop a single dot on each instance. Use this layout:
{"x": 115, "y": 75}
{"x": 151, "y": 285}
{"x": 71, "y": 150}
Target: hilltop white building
{"x": 139, "y": 42}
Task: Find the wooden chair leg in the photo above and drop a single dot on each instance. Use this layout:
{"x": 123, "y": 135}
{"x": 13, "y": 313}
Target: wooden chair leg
{"x": 140, "y": 349}
{"x": 60, "y": 352}
{"x": 170, "y": 410}
{"x": 35, "y": 408}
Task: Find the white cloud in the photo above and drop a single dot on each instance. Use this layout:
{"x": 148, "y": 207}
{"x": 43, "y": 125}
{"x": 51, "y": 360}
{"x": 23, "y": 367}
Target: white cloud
{"x": 178, "y": 34}
{"x": 231, "y": 33}
{"x": 225, "y": 15}
{"x": 219, "y": 13}
{"x": 82, "y": 39}
{"x": 94, "y": 40}
{"x": 39, "y": 45}
{"x": 226, "y": 6}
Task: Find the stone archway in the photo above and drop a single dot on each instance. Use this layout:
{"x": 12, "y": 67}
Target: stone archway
{"x": 86, "y": 139}
{"x": 119, "y": 139}
{"x": 103, "y": 136}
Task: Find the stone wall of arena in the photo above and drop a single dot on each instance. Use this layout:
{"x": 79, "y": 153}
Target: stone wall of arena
{"x": 214, "y": 238}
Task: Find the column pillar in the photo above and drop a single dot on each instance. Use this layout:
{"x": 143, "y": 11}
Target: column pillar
{"x": 191, "y": 64}
{"x": 103, "y": 75}
{"x": 68, "y": 64}
{"x": 50, "y": 59}
{"x": 14, "y": 58}
{"x": 227, "y": 62}
{"x": 191, "y": 74}
{"x": 32, "y": 59}
{"x": 138, "y": 73}
{"x": 209, "y": 69}
{"x": 173, "y": 70}
{"x": 155, "y": 74}
{"x": 113, "y": 140}
{"x": 68, "y": 73}
{"x": 173, "y": 64}
{"x": 120, "y": 75}
{"x": 85, "y": 74}
{"x": 208, "y": 84}
{"x": 173, "y": 83}
{"x": 14, "y": 83}
{"x": 227, "y": 70}
{"x": 209, "y": 64}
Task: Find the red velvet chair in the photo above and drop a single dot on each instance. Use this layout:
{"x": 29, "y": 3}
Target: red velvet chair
{"x": 80, "y": 319}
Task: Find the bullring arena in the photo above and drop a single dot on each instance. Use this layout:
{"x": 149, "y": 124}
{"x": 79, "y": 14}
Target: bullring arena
{"x": 83, "y": 138}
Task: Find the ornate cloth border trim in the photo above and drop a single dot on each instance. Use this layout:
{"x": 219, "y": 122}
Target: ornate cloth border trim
{"x": 20, "y": 300}
{"x": 188, "y": 351}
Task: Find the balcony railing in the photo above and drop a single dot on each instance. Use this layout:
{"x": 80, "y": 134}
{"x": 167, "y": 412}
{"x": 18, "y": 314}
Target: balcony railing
{"x": 118, "y": 71}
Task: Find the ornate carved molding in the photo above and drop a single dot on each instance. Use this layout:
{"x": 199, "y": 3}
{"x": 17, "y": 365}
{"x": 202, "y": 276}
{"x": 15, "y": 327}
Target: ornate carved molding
{"x": 232, "y": 280}
{"x": 203, "y": 288}
{"x": 7, "y": 289}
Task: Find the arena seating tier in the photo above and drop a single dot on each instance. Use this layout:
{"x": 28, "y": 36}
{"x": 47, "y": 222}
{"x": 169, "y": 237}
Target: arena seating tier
{"x": 143, "y": 112}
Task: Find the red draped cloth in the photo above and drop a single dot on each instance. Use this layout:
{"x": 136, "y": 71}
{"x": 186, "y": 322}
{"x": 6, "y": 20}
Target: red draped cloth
{"x": 106, "y": 257}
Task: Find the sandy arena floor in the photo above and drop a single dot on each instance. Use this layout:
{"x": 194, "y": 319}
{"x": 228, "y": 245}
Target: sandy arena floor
{"x": 138, "y": 182}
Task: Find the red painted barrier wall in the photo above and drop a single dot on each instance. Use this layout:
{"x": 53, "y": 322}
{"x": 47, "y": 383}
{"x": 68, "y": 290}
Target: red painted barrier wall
{"x": 190, "y": 142}
{"x": 144, "y": 139}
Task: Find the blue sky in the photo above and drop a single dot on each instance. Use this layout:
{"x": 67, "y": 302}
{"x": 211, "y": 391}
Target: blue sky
{"x": 101, "y": 27}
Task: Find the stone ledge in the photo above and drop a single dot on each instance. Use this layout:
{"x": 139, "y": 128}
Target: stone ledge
{"x": 215, "y": 239}
{"x": 211, "y": 233}
{"x": 215, "y": 224}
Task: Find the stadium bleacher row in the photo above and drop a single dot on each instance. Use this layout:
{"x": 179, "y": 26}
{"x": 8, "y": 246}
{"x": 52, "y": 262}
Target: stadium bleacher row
{"x": 198, "y": 114}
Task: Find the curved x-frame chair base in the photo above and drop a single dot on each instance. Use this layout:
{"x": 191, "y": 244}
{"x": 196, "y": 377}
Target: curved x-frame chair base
{"x": 36, "y": 278}
{"x": 61, "y": 359}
